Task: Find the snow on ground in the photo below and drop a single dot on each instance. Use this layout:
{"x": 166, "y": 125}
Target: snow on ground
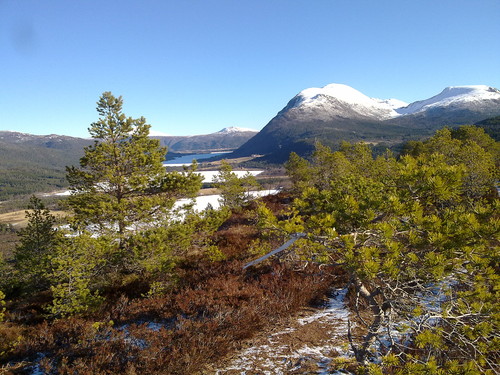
{"x": 308, "y": 347}
{"x": 208, "y": 176}
{"x": 334, "y": 310}
{"x": 59, "y": 193}
{"x": 203, "y": 201}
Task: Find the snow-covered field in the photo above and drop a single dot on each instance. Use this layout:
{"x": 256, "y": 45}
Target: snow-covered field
{"x": 203, "y": 201}
{"x": 208, "y": 176}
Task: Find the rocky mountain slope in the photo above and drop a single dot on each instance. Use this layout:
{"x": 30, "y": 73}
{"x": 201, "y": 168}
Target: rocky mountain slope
{"x": 338, "y": 112}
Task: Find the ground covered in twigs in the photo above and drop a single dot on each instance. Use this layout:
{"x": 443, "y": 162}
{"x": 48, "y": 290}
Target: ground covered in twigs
{"x": 313, "y": 341}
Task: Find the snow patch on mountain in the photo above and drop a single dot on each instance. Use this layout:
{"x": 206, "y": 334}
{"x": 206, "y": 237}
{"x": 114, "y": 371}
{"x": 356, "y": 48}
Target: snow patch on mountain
{"x": 343, "y": 92}
{"x": 338, "y": 100}
{"x": 393, "y": 103}
{"x": 453, "y": 95}
{"x": 155, "y": 133}
{"x": 234, "y": 129}
{"x": 335, "y": 97}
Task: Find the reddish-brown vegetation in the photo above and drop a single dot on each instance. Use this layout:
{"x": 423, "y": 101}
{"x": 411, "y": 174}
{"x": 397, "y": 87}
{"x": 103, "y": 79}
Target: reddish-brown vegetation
{"x": 201, "y": 318}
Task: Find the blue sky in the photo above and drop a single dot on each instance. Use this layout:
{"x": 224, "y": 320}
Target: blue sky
{"x": 197, "y": 66}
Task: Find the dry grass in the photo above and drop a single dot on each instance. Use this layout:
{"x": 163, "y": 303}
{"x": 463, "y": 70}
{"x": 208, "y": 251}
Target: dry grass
{"x": 8, "y": 243}
{"x": 18, "y": 218}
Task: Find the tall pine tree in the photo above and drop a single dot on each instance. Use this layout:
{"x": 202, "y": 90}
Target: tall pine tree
{"x": 122, "y": 185}
{"x": 122, "y": 197}
{"x": 37, "y": 242}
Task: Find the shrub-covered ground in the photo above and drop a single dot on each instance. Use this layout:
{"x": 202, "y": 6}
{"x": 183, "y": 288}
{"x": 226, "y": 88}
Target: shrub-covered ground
{"x": 202, "y": 317}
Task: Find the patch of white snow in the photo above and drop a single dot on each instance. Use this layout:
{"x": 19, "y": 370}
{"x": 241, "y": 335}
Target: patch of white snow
{"x": 156, "y": 133}
{"x": 452, "y": 95}
{"x": 358, "y": 101}
{"x": 235, "y": 129}
{"x": 334, "y": 310}
{"x": 203, "y": 201}
{"x": 273, "y": 358}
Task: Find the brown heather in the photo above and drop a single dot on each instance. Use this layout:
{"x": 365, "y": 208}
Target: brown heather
{"x": 212, "y": 308}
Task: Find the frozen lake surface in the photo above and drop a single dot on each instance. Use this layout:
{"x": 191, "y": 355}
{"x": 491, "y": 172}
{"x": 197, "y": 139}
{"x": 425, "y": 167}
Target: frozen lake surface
{"x": 188, "y": 159}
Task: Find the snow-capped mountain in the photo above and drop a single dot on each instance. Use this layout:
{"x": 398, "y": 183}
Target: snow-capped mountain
{"x": 338, "y": 112}
{"x": 235, "y": 129}
{"x": 156, "y": 133}
{"x": 458, "y": 96}
{"x": 340, "y": 100}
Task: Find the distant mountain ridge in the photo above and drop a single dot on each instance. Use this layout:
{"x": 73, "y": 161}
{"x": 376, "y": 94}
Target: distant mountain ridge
{"x": 37, "y": 163}
{"x": 460, "y": 96}
{"x": 229, "y": 138}
{"x": 34, "y": 163}
{"x": 338, "y": 112}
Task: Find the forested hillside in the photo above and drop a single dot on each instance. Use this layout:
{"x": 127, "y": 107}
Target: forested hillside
{"x": 36, "y": 163}
{"x": 31, "y": 163}
{"x": 136, "y": 285}
{"x": 492, "y": 127}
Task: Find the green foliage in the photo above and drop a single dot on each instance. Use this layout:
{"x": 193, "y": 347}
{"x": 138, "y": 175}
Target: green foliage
{"x": 76, "y": 273}
{"x": 234, "y": 190}
{"x": 298, "y": 170}
{"x": 36, "y": 246}
{"x": 124, "y": 224}
{"x": 215, "y": 254}
{"x": 491, "y": 127}
{"x": 32, "y": 164}
{"x": 120, "y": 174}
{"x": 10, "y": 336}
{"x": 122, "y": 188}
{"x": 469, "y": 147}
{"x": 2, "y": 306}
{"x": 417, "y": 235}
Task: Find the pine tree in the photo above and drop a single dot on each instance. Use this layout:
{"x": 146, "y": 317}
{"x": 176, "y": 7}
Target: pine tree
{"x": 37, "y": 243}
{"x": 419, "y": 243}
{"x": 122, "y": 201}
{"x": 234, "y": 190}
{"x": 122, "y": 186}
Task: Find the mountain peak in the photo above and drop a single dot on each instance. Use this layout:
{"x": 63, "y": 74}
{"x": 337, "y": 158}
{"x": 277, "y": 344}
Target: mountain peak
{"x": 335, "y": 90}
{"x": 453, "y": 95}
{"x": 338, "y": 112}
{"x": 234, "y": 129}
{"x": 338, "y": 99}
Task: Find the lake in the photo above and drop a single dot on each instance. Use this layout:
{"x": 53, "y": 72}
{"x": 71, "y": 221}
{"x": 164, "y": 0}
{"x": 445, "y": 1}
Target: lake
{"x": 188, "y": 159}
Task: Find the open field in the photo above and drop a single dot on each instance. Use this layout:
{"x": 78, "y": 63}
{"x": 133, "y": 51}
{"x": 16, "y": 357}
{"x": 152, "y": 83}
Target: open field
{"x": 18, "y": 218}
